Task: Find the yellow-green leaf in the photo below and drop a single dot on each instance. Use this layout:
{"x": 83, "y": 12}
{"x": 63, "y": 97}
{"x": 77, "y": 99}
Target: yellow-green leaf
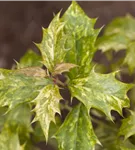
{"x": 52, "y": 45}
{"x": 47, "y": 105}
{"x": 101, "y": 91}
{"x": 76, "y": 133}
{"x": 127, "y": 128}
{"x": 80, "y": 28}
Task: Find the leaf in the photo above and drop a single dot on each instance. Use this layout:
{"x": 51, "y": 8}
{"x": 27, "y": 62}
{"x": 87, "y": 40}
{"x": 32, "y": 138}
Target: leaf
{"x": 115, "y": 42}
{"x": 19, "y": 120}
{"x": 76, "y": 132}
{"x": 82, "y": 36}
{"x": 9, "y": 140}
{"x": 130, "y": 56}
{"x": 124, "y": 25}
{"x": 47, "y": 105}
{"x": 33, "y": 72}
{"x": 52, "y": 44}
{"x": 17, "y": 88}
{"x": 127, "y": 145}
{"x": 127, "y": 128}
{"x": 101, "y": 91}
{"x": 3, "y": 110}
{"x": 108, "y": 135}
{"x": 17, "y": 123}
{"x": 63, "y": 67}
{"x": 30, "y": 59}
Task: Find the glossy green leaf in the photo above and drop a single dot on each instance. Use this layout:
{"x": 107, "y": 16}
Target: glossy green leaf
{"x": 130, "y": 56}
{"x": 115, "y": 42}
{"x": 76, "y": 133}
{"x": 124, "y": 25}
{"x": 82, "y": 36}
{"x": 101, "y": 91}
{"x": 52, "y": 45}
{"x": 47, "y": 105}
{"x": 30, "y": 59}
{"x": 17, "y": 88}
{"x": 127, "y": 128}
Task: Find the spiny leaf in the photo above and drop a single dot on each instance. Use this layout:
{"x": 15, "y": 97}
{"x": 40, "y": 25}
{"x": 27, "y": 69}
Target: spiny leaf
{"x": 17, "y": 88}
{"x": 130, "y": 56}
{"x": 52, "y": 44}
{"x": 76, "y": 133}
{"x": 101, "y": 91}
{"x": 82, "y": 36}
{"x": 125, "y": 25}
{"x": 47, "y": 105}
{"x": 30, "y": 59}
{"x": 63, "y": 67}
{"x": 115, "y": 42}
{"x": 127, "y": 128}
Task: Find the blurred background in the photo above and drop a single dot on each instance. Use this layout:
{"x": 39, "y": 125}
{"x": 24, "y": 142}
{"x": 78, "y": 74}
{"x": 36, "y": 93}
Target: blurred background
{"x": 21, "y": 22}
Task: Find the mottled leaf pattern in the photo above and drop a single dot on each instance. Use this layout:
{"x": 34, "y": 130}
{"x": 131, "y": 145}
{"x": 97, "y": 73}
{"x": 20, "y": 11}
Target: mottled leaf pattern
{"x": 52, "y": 46}
{"x": 101, "y": 91}
{"x": 16, "y": 88}
{"x": 83, "y": 36}
{"x": 47, "y": 105}
{"x": 68, "y": 45}
{"x": 76, "y": 133}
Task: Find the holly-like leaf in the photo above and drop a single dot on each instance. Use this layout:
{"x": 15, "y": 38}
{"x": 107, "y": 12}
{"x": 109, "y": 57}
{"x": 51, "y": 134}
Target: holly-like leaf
{"x": 47, "y": 105}
{"x": 101, "y": 91}
{"x": 82, "y": 36}
{"x": 130, "y": 56}
{"x": 115, "y": 42}
{"x": 52, "y": 45}
{"x": 17, "y": 88}
{"x": 127, "y": 128}
{"x": 30, "y": 59}
{"x": 125, "y": 25}
{"x": 76, "y": 132}
{"x": 63, "y": 67}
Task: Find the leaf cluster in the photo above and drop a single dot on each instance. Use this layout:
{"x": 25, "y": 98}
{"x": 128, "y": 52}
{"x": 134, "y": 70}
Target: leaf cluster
{"x": 31, "y": 99}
